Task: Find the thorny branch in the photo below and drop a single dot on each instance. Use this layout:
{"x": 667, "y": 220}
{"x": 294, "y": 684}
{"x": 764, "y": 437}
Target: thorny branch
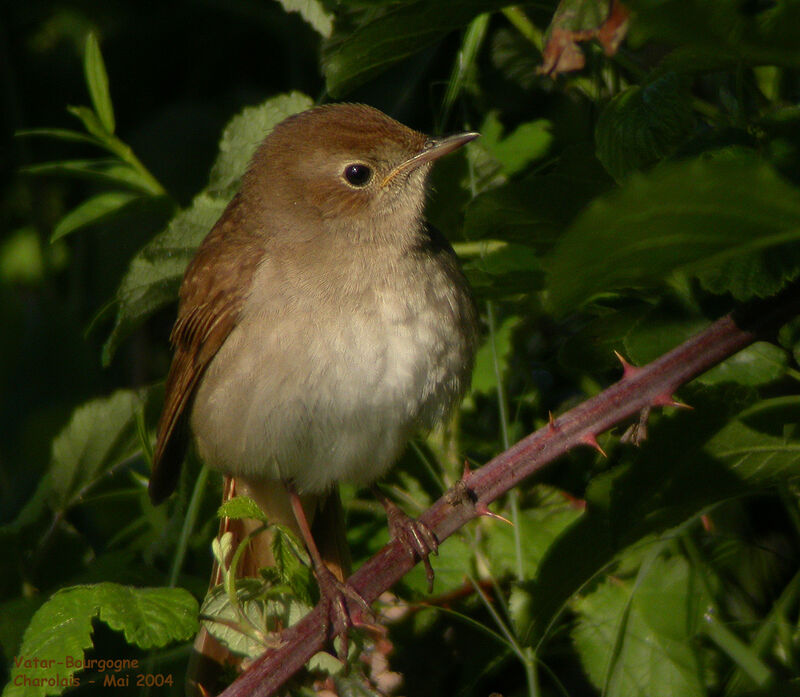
{"x": 639, "y": 389}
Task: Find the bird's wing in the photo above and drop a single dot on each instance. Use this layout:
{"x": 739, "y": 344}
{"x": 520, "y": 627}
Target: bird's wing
{"x": 213, "y": 291}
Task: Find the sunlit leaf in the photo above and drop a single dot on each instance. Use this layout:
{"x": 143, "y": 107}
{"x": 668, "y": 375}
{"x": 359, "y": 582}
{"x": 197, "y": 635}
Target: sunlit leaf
{"x": 241, "y": 507}
{"x": 313, "y": 12}
{"x": 244, "y": 133}
{"x": 525, "y": 144}
{"x": 62, "y": 629}
{"x": 634, "y": 642}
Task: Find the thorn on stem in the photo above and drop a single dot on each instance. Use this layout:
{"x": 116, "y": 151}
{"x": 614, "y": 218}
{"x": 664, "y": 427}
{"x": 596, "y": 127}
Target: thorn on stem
{"x": 628, "y": 370}
{"x": 551, "y": 422}
{"x": 667, "y": 400}
{"x": 482, "y": 510}
{"x": 591, "y": 440}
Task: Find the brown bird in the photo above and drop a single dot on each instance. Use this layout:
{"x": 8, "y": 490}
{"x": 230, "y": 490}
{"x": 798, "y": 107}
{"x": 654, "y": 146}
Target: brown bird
{"x": 321, "y": 324}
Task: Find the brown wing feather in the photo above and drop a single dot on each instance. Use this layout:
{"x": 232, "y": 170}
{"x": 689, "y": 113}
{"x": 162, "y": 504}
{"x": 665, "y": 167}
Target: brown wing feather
{"x": 212, "y": 293}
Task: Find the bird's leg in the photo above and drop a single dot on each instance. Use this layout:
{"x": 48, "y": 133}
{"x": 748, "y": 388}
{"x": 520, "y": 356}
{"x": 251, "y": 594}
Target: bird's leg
{"x": 334, "y": 592}
{"x": 416, "y": 537}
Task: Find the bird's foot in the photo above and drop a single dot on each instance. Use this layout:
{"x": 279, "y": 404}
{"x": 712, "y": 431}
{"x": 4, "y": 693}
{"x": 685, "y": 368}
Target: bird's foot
{"x": 344, "y": 609}
{"x": 416, "y": 537}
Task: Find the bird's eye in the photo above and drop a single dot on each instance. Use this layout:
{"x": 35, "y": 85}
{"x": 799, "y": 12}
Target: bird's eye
{"x": 358, "y": 174}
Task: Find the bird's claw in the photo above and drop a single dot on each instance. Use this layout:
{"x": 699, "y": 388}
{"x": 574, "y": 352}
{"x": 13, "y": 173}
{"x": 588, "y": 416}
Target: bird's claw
{"x": 344, "y": 609}
{"x": 416, "y": 537}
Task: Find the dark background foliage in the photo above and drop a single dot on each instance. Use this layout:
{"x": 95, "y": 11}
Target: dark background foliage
{"x": 620, "y": 207}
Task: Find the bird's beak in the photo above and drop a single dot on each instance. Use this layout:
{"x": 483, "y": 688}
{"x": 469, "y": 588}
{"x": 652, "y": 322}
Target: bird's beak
{"x": 433, "y": 150}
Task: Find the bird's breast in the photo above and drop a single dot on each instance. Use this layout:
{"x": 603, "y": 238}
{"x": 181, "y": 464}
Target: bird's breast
{"x": 326, "y": 378}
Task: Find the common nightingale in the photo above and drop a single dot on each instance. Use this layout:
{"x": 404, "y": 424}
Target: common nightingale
{"x": 321, "y": 324}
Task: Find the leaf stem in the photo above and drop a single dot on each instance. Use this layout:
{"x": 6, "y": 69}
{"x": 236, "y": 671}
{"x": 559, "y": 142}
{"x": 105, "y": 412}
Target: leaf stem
{"x": 188, "y": 525}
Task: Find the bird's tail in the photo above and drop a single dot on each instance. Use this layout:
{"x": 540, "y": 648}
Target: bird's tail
{"x": 212, "y": 666}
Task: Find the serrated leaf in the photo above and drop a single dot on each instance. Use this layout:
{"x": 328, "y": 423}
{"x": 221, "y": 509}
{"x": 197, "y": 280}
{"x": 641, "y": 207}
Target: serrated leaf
{"x": 155, "y": 273}
{"x": 393, "y": 36}
{"x": 148, "y": 617}
{"x": 293, "y": 565}
{"x": 244, "y": 133}
{"x": 100, "y": 434}
{"x": 644, "y": 124}
{"x": 62, "y": 629}
{"x": 688, "y": 463}
{"x": 93, "y": 210}
{"x": 626, "y": 638}
{"x": 250, "y": 633}
{"x": 313, "y": 12}
{"x": 242, "y": 507}
{"x": 691, "y": 216}
{"x": 97, "y": 80}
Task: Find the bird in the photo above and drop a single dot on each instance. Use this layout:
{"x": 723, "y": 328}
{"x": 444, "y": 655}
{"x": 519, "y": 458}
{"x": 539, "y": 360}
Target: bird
{"x": 321, "y": 324}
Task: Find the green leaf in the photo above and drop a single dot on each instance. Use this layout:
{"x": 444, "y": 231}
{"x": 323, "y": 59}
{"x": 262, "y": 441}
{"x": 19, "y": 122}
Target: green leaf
{"x": 93, "y": 210}
{"x": 247, "y": 628}
{"x": 538, "y": 526}
{"x": 61, "y": 630}
{"x": 148, "y": 617}
{"x": 242, "y": 507}
{"x": 633, "y": 639}
{"x": 155, "y": 273}
{"x": 484, "y": 375}
{"x": 690, "y": 462}
{"x": 101, "y": 433}
{"x": 758, "y": 364}
{"x": 527, "y": 143}
{"x": 97, "y": 81}
{"x": 244, "y": 133}
{"x": 91, "y": 122}
{"x": 643, "y": 125}
{"x": 293, "y": 564}
{"x": 393, "y": 36}
{"x": 509, "y": 270}
{"x": 692, "y": 216}
{"x": 109, "y": 171}
{"x": 64, "y": 134}
{"x": 535, "y": 210}
{"x": 313, "y": 12}
{"x": 658, "y": 331}
{"x": 22, "y": 259}
{"x": 763, "y": 34}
